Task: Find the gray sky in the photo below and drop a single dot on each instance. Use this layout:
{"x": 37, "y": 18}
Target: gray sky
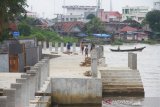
{"x": 47, "y": 8}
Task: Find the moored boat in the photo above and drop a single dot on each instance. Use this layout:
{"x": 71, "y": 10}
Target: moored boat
{"x": 127, "y": 50}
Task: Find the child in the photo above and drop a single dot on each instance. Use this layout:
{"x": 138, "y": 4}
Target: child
{"x": 86, "y": 51}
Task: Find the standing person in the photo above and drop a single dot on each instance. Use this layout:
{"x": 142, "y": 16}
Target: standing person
{"x": 86, "y": 51}
{"x": 92, "y": 46}
{"x": 68, "y": 46}
{"x": 82, "y": 47}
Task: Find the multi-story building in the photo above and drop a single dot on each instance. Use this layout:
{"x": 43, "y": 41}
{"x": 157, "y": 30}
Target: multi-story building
{"x": 76, "y": 13}
{"x": 31, "y": 14}
{"x": 137, "y": 13}
{"x": 156, "y": 5}
{"x": 109, "y": 16}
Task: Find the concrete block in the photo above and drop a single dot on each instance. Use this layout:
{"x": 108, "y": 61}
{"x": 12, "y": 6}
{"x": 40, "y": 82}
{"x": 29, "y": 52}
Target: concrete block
{"x": 94, "y": 62}
{"x": 56, "y": 47}
{"x": 11, "y": 97}
{"x": 3, "y": 101}
{"x": 62, "y": 47}
{"x": 44, "y": 45}
{"x": 77, "y": 90}
{"x": 132, "y": 61}
{"x": 39, "y": 43}
{"x": 25, "y": 97}
{"x": 74, "y": 47}
{"x": 18, "y": 94}
{"x": 50, "y": 46}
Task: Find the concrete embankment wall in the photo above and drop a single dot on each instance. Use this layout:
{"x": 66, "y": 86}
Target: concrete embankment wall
{"x": 21, "y": 93}
{"x": 76, "y": 90}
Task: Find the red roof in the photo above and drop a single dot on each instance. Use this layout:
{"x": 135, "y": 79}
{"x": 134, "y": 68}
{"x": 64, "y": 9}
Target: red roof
{"x": 12, "y": 26}
{"x": 67, "y": 26}
{"x": 127, "y": 28}
{"x": 114, "y": 13}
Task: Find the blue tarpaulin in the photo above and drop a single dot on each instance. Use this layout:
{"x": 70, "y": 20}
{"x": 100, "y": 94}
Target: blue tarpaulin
{"x": 102, "y": 35}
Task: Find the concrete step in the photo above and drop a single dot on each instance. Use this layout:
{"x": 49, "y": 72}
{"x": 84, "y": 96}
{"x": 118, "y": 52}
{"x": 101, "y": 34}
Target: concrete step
{"x": 121, "y": 79}
{"x": 120, "y": 74}
{"x": 136, "y": 83}
{"x": 118, "y": 93}
{"x": 123, "y": 86}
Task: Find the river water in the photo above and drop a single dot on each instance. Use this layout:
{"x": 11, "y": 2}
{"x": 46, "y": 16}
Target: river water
{"x": 148, "y": 63}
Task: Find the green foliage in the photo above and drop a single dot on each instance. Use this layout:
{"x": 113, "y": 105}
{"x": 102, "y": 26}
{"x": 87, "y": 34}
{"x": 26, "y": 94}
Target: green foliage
{"x": 9, "y": 9}
{"x": 47, "y": 35}
{"x": 24, "y": 29}
{"x": 90, "y": 16}
{"x": 117, "y": 42}
{"x": 94, "y": 26}
{"x": 153, "y": 19}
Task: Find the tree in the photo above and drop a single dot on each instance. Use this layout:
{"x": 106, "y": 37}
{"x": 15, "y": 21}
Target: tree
{"x": 9, "y": 9}
{"x": 90, "y": 16}
{"x": 153, "y": 19}
{"x": 24, "y": 29}
{"x": 94, "y": 26}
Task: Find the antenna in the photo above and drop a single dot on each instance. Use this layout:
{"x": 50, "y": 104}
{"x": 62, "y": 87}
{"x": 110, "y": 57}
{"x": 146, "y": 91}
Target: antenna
{"x": 110, "y": 5}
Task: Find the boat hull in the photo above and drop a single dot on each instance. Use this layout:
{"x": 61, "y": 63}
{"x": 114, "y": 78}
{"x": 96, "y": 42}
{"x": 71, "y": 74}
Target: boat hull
{"x": 127, "y": 50}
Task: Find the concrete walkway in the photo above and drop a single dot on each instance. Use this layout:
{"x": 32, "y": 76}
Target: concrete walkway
{"x": 68, "y": 66}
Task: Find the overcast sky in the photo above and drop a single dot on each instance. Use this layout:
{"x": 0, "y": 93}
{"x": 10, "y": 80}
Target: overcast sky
{"x": 47, "y": 8}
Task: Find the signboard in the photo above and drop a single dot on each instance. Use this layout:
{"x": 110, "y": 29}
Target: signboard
{"x": 15, "y": 34}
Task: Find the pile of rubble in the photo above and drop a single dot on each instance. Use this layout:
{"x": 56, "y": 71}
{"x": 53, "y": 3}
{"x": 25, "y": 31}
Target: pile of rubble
{"x": 87, "y": 62}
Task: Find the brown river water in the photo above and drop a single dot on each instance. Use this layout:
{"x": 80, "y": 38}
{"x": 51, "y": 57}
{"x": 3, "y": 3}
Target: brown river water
{"x": 148, "y": 63}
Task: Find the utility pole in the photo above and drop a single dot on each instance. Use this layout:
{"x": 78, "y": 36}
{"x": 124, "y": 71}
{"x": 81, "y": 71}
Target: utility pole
{"x": 98, "y": 7}
{"x": 110, "y": 5}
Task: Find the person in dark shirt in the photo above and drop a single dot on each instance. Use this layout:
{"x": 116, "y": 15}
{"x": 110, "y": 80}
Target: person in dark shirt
{"x": 68, "y": 46}
{"x": 86, "y": 51}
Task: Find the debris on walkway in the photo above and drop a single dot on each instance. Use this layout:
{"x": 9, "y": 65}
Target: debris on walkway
{"x": 88, "y": 73}
{"x": 86, "y": 63}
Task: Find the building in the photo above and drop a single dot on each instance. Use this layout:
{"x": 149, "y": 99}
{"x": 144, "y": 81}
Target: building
{"x": 109, "y": 16}
{"x": 132, "y": 34}
{"x": 76, "y": 13}
{"x": 113, "y": 16}
{"x": 156, "y": 5}
{"x": 137, "y": 13}
{"x": 31, "y": 14}
{"x": 69, "y": 28}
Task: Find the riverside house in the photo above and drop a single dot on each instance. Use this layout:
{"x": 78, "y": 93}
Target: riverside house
{"x": 132, "y": 34}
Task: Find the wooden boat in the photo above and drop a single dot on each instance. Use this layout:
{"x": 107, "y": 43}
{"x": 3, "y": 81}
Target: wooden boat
{"x": 127, "y": 50}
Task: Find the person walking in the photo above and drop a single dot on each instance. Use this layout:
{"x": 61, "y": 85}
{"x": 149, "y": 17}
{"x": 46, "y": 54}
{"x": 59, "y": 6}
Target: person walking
{"x": 68, "y": 46}
{"x": 86, "y": 51}
{"x": 82, "y": 47}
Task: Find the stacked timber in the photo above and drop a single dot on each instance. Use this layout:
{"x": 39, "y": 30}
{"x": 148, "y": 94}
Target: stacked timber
{"x": 122, "y": 83}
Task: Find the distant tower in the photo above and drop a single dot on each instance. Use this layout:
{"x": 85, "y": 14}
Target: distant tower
{"x": 110, "y": 5}
{"x": 31, "y": 8}
{"x": 98, "y": 6}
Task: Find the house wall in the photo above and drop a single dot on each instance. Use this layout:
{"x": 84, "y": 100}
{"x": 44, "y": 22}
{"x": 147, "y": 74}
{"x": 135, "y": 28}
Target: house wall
{"x": 4, "y": 63}
{"x": 31, "y": 56}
